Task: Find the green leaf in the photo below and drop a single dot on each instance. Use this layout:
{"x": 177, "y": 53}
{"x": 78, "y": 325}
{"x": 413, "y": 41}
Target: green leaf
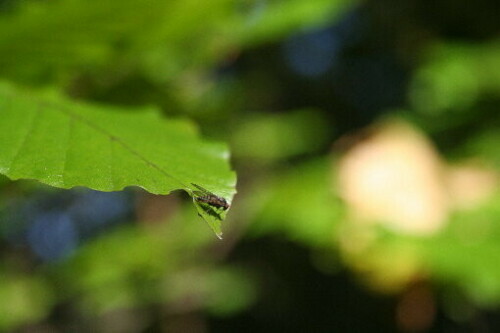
{"x": 65, "y": 144}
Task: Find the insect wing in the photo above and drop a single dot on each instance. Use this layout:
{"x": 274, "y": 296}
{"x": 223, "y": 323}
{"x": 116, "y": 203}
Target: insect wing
{"x": 199, "y": 193}
{"x": 202, "y": 191}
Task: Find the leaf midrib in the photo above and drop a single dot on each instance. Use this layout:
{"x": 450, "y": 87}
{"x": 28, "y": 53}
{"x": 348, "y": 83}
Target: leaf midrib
{"x": 42, "y": 104}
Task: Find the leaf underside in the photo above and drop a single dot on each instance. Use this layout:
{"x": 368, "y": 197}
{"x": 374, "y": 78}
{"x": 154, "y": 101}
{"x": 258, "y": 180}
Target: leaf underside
{"x": 212, "y": 215}
{"x": 65, "y": 144}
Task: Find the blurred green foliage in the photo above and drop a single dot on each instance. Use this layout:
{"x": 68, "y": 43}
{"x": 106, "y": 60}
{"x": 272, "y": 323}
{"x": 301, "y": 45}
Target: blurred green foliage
{"x": 465, "y": 254}
{"x": 298, "y": 204}
{"x": 54, "y": 41}
{"x": 455, "y": 77}
{"x": 24, "y": 299}
{"x": 263, "y": 137}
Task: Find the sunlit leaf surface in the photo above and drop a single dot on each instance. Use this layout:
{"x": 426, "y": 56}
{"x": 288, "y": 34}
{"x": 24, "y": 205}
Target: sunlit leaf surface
{"x": 66, "y": 144}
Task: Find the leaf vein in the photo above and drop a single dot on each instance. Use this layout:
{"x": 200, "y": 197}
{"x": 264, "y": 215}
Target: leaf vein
{"x": 97, "y": 128}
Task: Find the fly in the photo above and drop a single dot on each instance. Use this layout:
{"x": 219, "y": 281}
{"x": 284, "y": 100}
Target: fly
{"x": 207, "y": 197}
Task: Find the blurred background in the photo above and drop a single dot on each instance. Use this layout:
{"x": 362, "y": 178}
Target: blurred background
{"x": 365, "y": 136}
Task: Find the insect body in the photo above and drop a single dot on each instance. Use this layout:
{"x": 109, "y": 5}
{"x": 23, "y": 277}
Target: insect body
{"x": 211, "y": 208}
{"x": 207, "y": 197}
